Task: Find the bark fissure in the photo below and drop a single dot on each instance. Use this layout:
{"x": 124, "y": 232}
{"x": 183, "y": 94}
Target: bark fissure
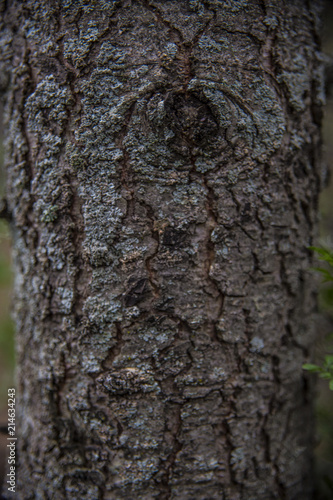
{"x": 126, "y": 174}
{"x": 114, "y": 350}
{"x": 176, "y": 448}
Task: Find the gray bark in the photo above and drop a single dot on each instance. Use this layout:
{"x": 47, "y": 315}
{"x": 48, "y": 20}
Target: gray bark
{"x": 162, "y": 179}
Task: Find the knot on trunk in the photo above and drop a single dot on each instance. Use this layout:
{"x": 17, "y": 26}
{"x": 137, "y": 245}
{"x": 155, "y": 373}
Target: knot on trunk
{"x": 189, "y": 117}
{"x": 182, "y": 119}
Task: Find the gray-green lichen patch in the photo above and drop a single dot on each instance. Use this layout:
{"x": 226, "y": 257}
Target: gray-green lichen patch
{"x": 129, "y": 381}
{"x": 89, "y": 29}
{"x": 105, "y": 203}
{"x": 6, "y": 54}
{"x": 293, "y": 70}
{"x": 101, "y": 310}
{"x": 257, "y": 344}
{"x": 248, "y": 108}
{"x": 233, "y": 6}
{"x": 72, "y": 8}
{"x": 94, "y": 348}
{"x": 49, "y": 214}
{"x": 48, "y": 104}
{"x": 186, "y": 20}
{"x": 111, "y": 57}
{"x": 297, "y": 80}
{"x": 47, "y": 107}
{"x": 77, "y": 48}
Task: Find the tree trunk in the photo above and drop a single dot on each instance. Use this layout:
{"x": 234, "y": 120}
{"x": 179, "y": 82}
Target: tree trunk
{"x": 162, "y": 178}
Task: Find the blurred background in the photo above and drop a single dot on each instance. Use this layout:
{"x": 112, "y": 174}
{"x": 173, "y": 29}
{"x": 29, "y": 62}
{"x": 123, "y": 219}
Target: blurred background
{"x": 7, "y": 358}
{"x": 324, "y": 401}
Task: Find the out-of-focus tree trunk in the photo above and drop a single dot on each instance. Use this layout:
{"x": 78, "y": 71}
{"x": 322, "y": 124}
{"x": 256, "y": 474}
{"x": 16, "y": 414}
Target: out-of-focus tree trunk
{"x": 162, "y": 179}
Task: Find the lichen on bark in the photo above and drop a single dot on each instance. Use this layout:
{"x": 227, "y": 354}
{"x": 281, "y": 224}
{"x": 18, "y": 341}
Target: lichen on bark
{"x": 162, "y": 176}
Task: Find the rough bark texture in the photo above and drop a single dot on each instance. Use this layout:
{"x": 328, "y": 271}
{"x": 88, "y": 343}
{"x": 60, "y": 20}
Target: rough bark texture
{"x": 162, "y": 178}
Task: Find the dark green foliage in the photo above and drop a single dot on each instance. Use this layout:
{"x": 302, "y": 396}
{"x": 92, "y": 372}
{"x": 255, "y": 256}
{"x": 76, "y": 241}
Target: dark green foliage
{"x": 326, "y": 255}
{"x": 6, "y": 324}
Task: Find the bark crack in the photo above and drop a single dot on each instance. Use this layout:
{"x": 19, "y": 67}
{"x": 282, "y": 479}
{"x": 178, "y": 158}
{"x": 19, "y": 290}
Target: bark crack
{"x": 159, "y": 16}
{"x": 126, "y": 173}
{"x": 212, "y": 224}
{"x": 115, "y": 350}
{"x": 155, "y": 232}
{"x": 83, "y": 274}
{"x": 28, "y": 88}
{"x": 177, "y": 446}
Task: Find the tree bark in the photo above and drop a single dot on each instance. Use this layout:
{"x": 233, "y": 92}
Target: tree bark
{"x": 162, "y": 178}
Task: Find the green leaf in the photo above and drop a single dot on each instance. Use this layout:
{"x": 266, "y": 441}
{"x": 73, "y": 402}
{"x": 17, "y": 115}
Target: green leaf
{"x": 316, "y": 249}
{"x": 311, "y": 368}
{"x": 5, "y": 272}
{"x": 324, "y": 254}
{"x": 4, "y": 230}
{"x": 329, "y": 336}
{"x": 326, "y": 274}
{"x": 329, "y": 360}
{"x": 326, "y": 296}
